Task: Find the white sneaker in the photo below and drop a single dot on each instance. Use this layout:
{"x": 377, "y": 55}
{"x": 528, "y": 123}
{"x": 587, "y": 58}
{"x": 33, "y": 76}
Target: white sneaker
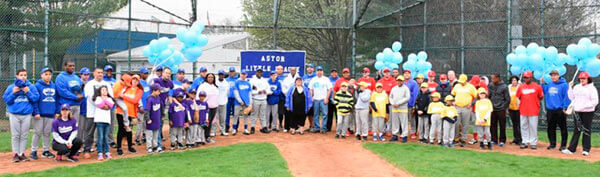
{"x": 285, "y": 130}
{"x": 160, "y": 150}
{"x": 212, "y": 135}
{"x": 225, "y": 134}
{"x": 149, "y": 151}
{"x": 246, "y": 132}
{"x": 585, "y": 153}
{"x": 233, "y": 132}
{"x": 566, "y": 151}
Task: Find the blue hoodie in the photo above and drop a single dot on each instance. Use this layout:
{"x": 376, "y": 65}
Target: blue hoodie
{"x": 275, "y": 86}
{"x": 146, "y": 91}
{"x": 244, "y": 89}
{"x": 289, "y": 99}
{"x": 306, "y": 78}
{"x": 414, "y": 91}
{"x": 68, "y": 85}
{"x": 231, "y": 81}
{"x": 109, "y": 80}
{"x": 48, "y": 100}
{"x": 20, "y": 103}
{"x": 280, "y": 79}
{"x": 555, "y": 94}
{"x": 197, "y": 82}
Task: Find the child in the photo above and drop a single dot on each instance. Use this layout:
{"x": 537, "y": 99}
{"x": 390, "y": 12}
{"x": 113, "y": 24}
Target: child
{"x": 343, "y": 102}
{"x": 362, "y": 111}
{"x": 177, "y": 121}
{"x": 42, "y": 124}
{"x": 64, "y": 133}
{"x": 483, "y": 112}
{"x": 421, "y": 106}
{"x": 273, "y": 100}
{"x": 190, "y": 106}
{"x": 436, "y": 107}
{"x": 379, "y": 100}
{"x": 153, "y": 107}
{"x": 104, "y": 103}
{"x": 19, "y": 98}
{"x": 448, "y": 118}
{"x": 199, "y": 122}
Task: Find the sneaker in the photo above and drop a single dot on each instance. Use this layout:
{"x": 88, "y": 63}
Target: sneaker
{"x": 562, "y": 148}
{"x": 523, "y": 146}
{"x": 172, "y": 147}
{"x": 138, "y": 142}
{"x": 119, "y": 151}
{"x": 394, "y": 138}
{"x": 149, "y": 151}
{"x": 72, "y": 158}
{"x": 404, "y": 139}
{"x": 370, "y": 132}
{"x": 463, "y": 144}
{"x": 233, "y": 132}
{"x": 252, "y": 130}
{"x": 160, "y": 150}
{"x": 566, "y": 151}
{"x": 337, "y": 136}
{"x": 47, "y": 154}
{"x": 275, "y": 130}
{"x": 212, "y": 135}
{"x": 107, "y": 156}
{"x": 375, "y": 138}
{"x": 131, "y": 150}
{"x": 34, "y": 155}
{"x": 87, "y": 155}
{"x": 16, "y": 158}
{"x": 285, "y": 130}
{"x": 431, "y": 143}
{"x": 210, "y": 140}
{"x": 501, "y": 144}
{"x": 100, "y": 157}
{"x": 24, "y": 158}
{"x": 58, "y": 158}
{"x": 490, "y": 146}
{"x": 534, "y": 147}
{"x": 381, "y": 138}
{"x": 364, "y": 138}
{"x": 114, "y": 145}
{"x": 481, "y": 145}
{"x": 343, "y": 136}
{"x": 246, "y": 132}
{"x": 451, "y": 145}
{"x": 180, "y": 147}
{"x": 473, "y": 141}
{"x": 551, "y": 147}
{"x": 388, "y": 134}
{"x": 413, "y": 136}
{"x": 585, "y": 153}
{"x": 224, "y": 134}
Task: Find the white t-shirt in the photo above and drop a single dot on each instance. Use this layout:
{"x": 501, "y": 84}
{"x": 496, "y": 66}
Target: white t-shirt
{"x": 101, "y": 115}
{"x": 89, "y": 90}
{"x": 319, "y": 86}
{"x": 212, "y": 94}
{"x": 261, "y": 85}
{"x": 223, "y": 91}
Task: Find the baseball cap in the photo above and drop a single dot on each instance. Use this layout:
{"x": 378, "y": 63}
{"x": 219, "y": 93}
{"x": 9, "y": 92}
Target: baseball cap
{"x": 65, "y": 106}
{"x": 84, "y": 70}
{"x": 420, "y": 76}
{"x": 481, "y": 90}
{"x": 449, "y": 98}
{"x": 527, "y": 74}
{"x": 319, "y": 68}
{"x": 135, "y": 76}
{"x": 310, "y": 66}
{"x": 386, "y": 70}
{"x": 144, "y": 71}
{"x": 108, "y": 67}
{"x": 202, "y": 93}
{"x": 584, "y": 75}
{"x": 443, "y": 76}
{"x": 244, "y": 71}
{"x": 378, "y": 85}
{"x": 155, "y": 87}
{"x": 45, "y": 70}
{"x": 407, "y": 71}
{"x": 333, "y": 70}
{"x": 362, "y": 84}
{"x": 345, "y": 70}
{"x": 431, "y": 74}
{"x": 435, "y": 95}
{"x": 202, "y": 69}
{"x": 159, "y": 68}
{"x": 185, "y": 81}
{"x": 400, "y": 78}
{"x": 344, "y": 84}
{"x": 221, "y": 72}
{"x": 232, "y": 69}
{"x": 191, "y": 90}
{"x": 178, "y": 92}
{"x": 554, "y": 72}
{"x": 462, "y": 78}
{"x": 366, "y": 70}
{"x": 181, "y": 70}
{"x": 424, "y": 85}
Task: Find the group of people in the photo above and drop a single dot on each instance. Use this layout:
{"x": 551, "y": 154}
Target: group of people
{"x": 76, "y": 108}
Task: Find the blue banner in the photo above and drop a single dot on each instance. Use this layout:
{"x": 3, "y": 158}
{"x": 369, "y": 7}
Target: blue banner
{"x": 268, "y": 60}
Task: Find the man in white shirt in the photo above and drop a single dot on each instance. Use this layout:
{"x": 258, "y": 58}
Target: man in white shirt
{"x": 320, "y": 88}
{"x": 260, "y": 89}
{"x": 88, "y": 128}
{"x": 223, "y": 98}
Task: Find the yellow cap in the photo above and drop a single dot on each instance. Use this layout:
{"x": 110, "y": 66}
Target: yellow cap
{"x": 449, "y": 98}
{"x": 420, "y": 76}
{"x": 344, "y": 84}
{"x": 481, "y": 90}
{"x": 363, "y": 84}
{"x": 462, "y": 78}
{"x": 400, "y": 77}
{"x": 435, "y": 95}
{"x": 378, "y": 85}
{"x": 424, "y": 85}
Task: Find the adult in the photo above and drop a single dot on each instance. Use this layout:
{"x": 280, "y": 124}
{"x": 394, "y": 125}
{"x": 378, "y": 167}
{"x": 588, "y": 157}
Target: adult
{"x": 273, "y": 101}
{"x": 431, "y": 82}
{"x": 370, "y": 81}
{"x": 281, "y": 105}
{"x": 211, "y": 89}
{"x": 84, "y": 74}
{"x": 166, "y": 84}
{"x": 141, "y": 125}
{"x": 464, "y": 94}
{"x": 260, "y": 90}
{"x": 513, "y": 110}
{"x": 298, "y": 102}
{"x": 500, "y": 97}
{"x": 395, "y": 73}
{"x": 452, "y": 78}
{"x": 308, "y": 76}
{"x": 243, "y": 97}
{"x": 320, "y": 88}
{"x": 287, "y": 83}
{"x": 108, "y": 77}
{"x": 87, "y": 125}
{"x": 200, "y": 79}
{"x": 413, "y": 87}
{"x": 444, "y": 87}
{"x": 585, "y": 98}
{"x": 44, "y": 112}
{"x": 179, "y": 78}
{"x": 387, "y": 81}
{"x": 222, "y": 108}
{"x": 19, "y": 98}
{"x": 530, "y": 94}
{"x": 131, "y": 93}
{"x": 69, "y": 88}
{"x": 331, "y": 108}
{"x": 399, "y": 97}
{"x": 557, "y": 102}
{"x": 231, "y": 78}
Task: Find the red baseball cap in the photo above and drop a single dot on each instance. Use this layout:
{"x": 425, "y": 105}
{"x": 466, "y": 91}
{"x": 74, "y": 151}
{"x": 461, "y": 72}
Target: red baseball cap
{"x": 443, "y": 76}
{"x": 366, "y": 70}
{"x": 431, "y": 74}
{"x": 386, "y": 70}
{"x": 527, "y": 74}
{"x": 345, "y": 70}
{"x": 584, "y": 75}
{"x": 407, "y": 71}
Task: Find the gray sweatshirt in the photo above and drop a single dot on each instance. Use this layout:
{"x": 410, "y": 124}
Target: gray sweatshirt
{"x": 362, "y": 102}
{"x": 399, "y": 96}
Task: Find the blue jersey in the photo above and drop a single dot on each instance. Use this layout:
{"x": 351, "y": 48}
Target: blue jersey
{"x": 306, "y": 78}
{"x": 48, "y": 100}
{"x": 68, "y": 86}
{"x": 275, "y": 87}
{"x": 244, "y": 88}
{"x": 146, "y": 91}
{"x": 231, "y": 81}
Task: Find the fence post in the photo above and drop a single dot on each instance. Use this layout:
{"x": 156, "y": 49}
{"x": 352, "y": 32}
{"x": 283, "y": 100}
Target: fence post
{"x": 541, "y": 22}
{"x": 462, "y": 36}
{"x": 46, "y": 19}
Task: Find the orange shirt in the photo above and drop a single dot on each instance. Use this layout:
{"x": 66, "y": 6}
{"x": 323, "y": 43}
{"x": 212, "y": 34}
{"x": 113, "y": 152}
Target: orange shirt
{"x": 131, "y": 97}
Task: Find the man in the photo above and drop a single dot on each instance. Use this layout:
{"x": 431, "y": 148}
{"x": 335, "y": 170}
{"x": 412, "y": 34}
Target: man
{"x": 44, "y": 112}
{"x": 156, "y": 73}
{"x": 320, "y": 88}
{"x": 557, "y": 102}
{"x": 260, "y": 90}
{"x": 69, "y": 88}
{"x": 464, "y": 94}
{"x": 108, "y": 69}
{"x": 139, "y": 134}
{"x": 179, "y": 78}
{"x": 108, "y": 77}
{"x": 530, "y": 94}
{"x": 395, "y": 73}
{"x": 88, "y": 127}
{"x": 444, "y": 87}
{"x": 281, "y": 104}
{"x": 200, "y": 80}
{"x": 231, "y": 78}
{"x": 431, "y": 82}
{"x": 387, "y": 81}
{"x": 243, "y": 97}
{"x": 500, "y": 97}
{"x": 223, "y": 98}
{"x": 287, "y": 83}
{"x": 370, "y": 81}
{"x": 306, "y": 80}
{"x": 452, "y": 78}
{"x": 413, "y": 87}
{"x": 19, "y": 99}
{"x": 399, "y": 97}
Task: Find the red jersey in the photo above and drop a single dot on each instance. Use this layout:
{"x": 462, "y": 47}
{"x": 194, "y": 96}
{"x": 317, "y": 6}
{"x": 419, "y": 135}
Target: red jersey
{"x": 338, "y": 83}
{"x": 432, "y": 86}
{"x": 370, "y": 82}
{"x": 388, "y": 84}
{"x": 530, "y": 96}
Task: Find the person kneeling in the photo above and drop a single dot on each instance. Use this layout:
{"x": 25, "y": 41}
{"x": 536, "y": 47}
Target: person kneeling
{"x": 64, "y": 131}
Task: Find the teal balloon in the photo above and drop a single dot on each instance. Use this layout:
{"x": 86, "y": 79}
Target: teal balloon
{"x": 521, "y": 60}
{"x": 154, "y": 46}
{"x": 198, "y": 27}
{"x": 541, "y": 51}
{"x": 538, "y": 74}
{"x": 397, "y": 58}
{"x": 584, "y": 42}
{"x": 202, "y": 40}
{"x": 571, "y": 49}
{"x": 192, "y": 53}
{"x": 536, "y": 62}
{"x": 165, "y": 54}
{"x": 379, "y": 57}
{"x": 396, "y": 46}
{"x": 153, "y": 61}
{"x": 190, "y": 38}
{"x": 388, "y": 54}
{"x": 532, "y": 48}
{"x": 180, "y": 33}
{"x": 409, "y": 65}
{"x": 562, "y": 70}
{"x": 392, "y": 65}
{"x": 561, "y": 59}
{"x": 510, "y": 58}
{"x": 427, "y": 66}
{"x": 412, "y": 57}
{"x": 422, "y": 56}
{"x": 147, "y": 52}
{"x": 163, "y": 43}
{"x": 177, "y": 57}
{"x": 520, "y": 50}
{"x": 379, "y": 65}
{"x": 516, "y": 70}
{"x": 547, "y": 77}
{"x": 571, "y": 61}
{"x": 551, "y": 53}
{"x": 593, "y": 50}
{"x": 579, "y": 52}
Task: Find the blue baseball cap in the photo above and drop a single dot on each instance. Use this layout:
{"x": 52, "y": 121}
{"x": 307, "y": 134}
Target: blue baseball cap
{"x": 180, "y": 70}
{"x": 84, "y": 70}
{"x": 185, "y": 81}
{"x": 244, "y": 71}
{"x": 46, "y": 69}
{"x": 310, "y": 65}
{"x": 143, "y": 70}
{"x": 178, "y": 92}
{"x": 108, "y": 67}
{"x": 202, "y": 69}
{"x": 221, "y": 71}
{"x": 155, "y": 87}
{"x": 319, "y": 68}
{"x": 202, "y": 93}
{"x": 159, "y": 68}
{"x": 65, "y": 106}
{"x": 232, "y": 69}
{"x": 191, "y": 90}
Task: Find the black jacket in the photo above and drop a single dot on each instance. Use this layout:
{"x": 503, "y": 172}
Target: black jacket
{"x": 422, "y": 101}
{"x": 499, "y": 95}
{"x": 444, "y": 89}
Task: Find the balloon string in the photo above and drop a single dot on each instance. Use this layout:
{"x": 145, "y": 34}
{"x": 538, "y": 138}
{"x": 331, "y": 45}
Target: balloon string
{"x": 575, "y": 75}
{"x": 163, "y": 61}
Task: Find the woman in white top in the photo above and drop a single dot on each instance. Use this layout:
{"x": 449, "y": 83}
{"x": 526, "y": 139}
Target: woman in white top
{"x": 212, "y": 98}
{"x": 223, "y": 86}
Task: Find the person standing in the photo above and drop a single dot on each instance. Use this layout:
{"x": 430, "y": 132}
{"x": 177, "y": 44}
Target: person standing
{"x": 84, "y": 74}
{"x": 273, "y": 101}
{"x": 530, "y": 94}
{"x": 320, "y": 88}
{"x": 370, "y": 81}
{"x": 287, "y": 83}
{"x": 336, "y": 87}
{"x": 69, "y": 88}
{"x": 88, "y": 127}
{"x": 513, "y": 110}
{"x": 44, "y": 112}
{"x": 223, "y": 98}
{"x": 483, "y": 113}
{"x": 399, "y": 97}
{"x": 500, "y": 97}
{"x": 452, "y": 78}
{"x": 362, "y": 111}
{"x": 477, "y": 82}
{"x": 585, "y": 99}
{"x": 344, "y": 101}
{"x": 557, "y": 102}
{"x": 388, "y": 82}
{"x": 141, "y": 125}
{"x": 243, "y": 97}
{"x": 464, "y": 94}
{"x": 431, "y": 82}
{"x": 231, "y": 78}
{"x": 298, "y": 102}
{"x": 19, "y": 98}
{"x": 308, "y": 76}
{"x": 331, "y": 111}
{"x": 199, "y": 80}
{"x": 444, "y": 87}
{"x": 421, "y": 106}
{"x": 211, "y": 89}
{"x": 131, "y": 94}
{"x": 166, "y": 84}
{"x": 413, "y": 87}
{"x": 379, "y": 101}
{"x": 108, "y": 77}
{"x": 260, "y": 90}
{"x": 281, "y": 105}
{"x": 104, "y": 102}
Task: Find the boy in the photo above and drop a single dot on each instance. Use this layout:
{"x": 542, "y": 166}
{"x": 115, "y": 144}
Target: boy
{"x": 19, "y": 98}
{"x": 190, "y": 107}
{"x": 399, "y": 96}
{"x": 42, "y": 122}
{"x": 448, "y": 118}
{"x": 343, "y": 102}
{"x": 379, "y": 100}
{"x": 177, "y": 121}
{"x": 436, "y": 107}
{"x": 362, "y": 111}
{"x": 421, "y": 107}
{"x": 273, "y": 101}
{"x": 197, "y": 110}
{"x": 152, "y": 118}
{"x": 483, "y": 113}
{"x": 242, "y": 90}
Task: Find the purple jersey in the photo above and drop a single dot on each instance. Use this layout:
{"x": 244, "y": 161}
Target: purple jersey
{"x": 64, "y": 128}
{"x": 166, "y": 85}
{"x": 153, "y": 107}
{"x": 202, "y": 108}
{"x": 177, "y": 115}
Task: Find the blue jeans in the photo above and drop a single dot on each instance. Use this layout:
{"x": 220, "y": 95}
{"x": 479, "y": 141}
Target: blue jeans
{"x": 102, "y": 142}
{"x": 229, "y": 109}
{"x": 320, "y": 106}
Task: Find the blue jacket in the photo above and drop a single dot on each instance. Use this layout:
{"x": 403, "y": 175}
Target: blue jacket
{"x": 276, "y": 89}
{"x": 306, "y": 78}
{"x": 289, "y": 100}
{"x": 20, "y": 103}
{"x": 48, "y": 100}
{"x": 109, "y": 80}
{"x": 414, "y": 92}
{"x": 197, "y": 82}
{"x": 231, "y": 81}
{"x": 333, "y": 80}
{"x": 68, "y": 86}
{"x": 555, "y": 94}
{"x": 244, "y": 89}
{"x": 280, "y": 80}
{"x": 146, "y": 91}
{"x": 83, "y": 102}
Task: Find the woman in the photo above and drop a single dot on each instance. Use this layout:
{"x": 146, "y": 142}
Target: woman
{"x": 212, "y": 98}
{"x": 298, "y": 102}
{"x": 584, "y": 98}
{"x": 131, "y": 93}
{"x": 513, "y": 110}
{"x": 64, "y": 131}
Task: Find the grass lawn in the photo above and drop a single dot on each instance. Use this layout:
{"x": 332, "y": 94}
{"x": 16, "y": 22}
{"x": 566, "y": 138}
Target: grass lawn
{"x": 247, "y": 159}
{"x": 423, "y": 160}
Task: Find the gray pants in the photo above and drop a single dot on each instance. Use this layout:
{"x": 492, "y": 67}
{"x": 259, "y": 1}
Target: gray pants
{"x": 529, "y": 129}
{"x": 483, "y": 131}
{"x": 413, "y": 122}
{"x": 399, "y": 119}
{"x": 197, "y": 134}
{"x": 388, "y": 124}
{"x": 423, "y": 128}
{"x": 221, "y": 115}
{"x": 19, "y": 132}
{"x": 176, "y": 134}
{"x": 352, "y": 121}
{"x": 87, "y": 128}
{"x": 378, "y": 125}
{"x": 272, "y": 111}
{"x": 342, "y": 124}
{"x": 188, "y": 136}
{"x": 152, "y": 138}
{"x": 436, "y": 128}
{"x": 463, "y": 121}
{"x": 362, "y": 122}
{"x": 448, "y": 132}
{"x": 121, "y": 104}
{"x": 75, "y": 110}
{"x": 259, "y": 112}
{"x": 141, "y": 126}
{"x": 113, "y": 114}
{"x": 238, "y": 112}
{"x": 41, "y": 129}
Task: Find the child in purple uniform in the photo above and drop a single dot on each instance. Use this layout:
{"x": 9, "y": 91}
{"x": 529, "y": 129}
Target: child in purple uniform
{"x": 197, "y": 113}
{"x": 177, "y": 120}
{"x": 153, "y": 107}
{"x": 64, "y": 131}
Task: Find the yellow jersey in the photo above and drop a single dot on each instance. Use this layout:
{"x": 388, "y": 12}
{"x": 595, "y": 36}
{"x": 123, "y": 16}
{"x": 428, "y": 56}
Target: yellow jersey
{"x": 464, "y": 94}
{"x": 483, "y": 112}
{"x": 514, "y": 101}
{"x": 450, "y": 112}
{"x": 435, "y": 108}
{"x": 381, "y": 101}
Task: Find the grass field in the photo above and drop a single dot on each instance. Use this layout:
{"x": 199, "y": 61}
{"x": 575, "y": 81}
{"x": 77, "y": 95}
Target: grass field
{"x": 423, "y": 160}
{"x": 247, "y": 159}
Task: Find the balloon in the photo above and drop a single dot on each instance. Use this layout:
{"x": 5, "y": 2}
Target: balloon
{"x": 154, "y": 46}
{"x": 409, "y": 65}
{"x": 427, "y": 66}
{"x": 532, "y": 48}
{"x": 536, "y": 61}
{"x": 202, "y": 40}
{"x": 541, "y": 51}
{"x": 570, "y": 60}
{"x": 510, "y": 58}
{"x": 177, "y": 58}
{"x": 552, "y": 53}
{"x": 165, "y": 54}
{"x": 190, "y": 38}
{"x": 397, "y": 57}
{"x": 163, "y": 43}
{"x": 396, "y": 46}
{"x": 521, "y": 60}
{"x": 388, "y": 54}
{"x": 580, "y": 52}
{"x": 198, "y": 27}
{"x": 193, "y": 53}
{"x": 584, "y": 42}
{"x": 147, "y": 52}
{"x": 412, "y": 57}
{"x": 180, "y": 32}
{"x": 515, "y": 70}
{"x": 520, "y": 49}
{"x": 538, "y": 74}
{"x": 562, "y": 70}
{"x": 547, "y": 77}
{"x": 379, "y": 65}
{"x": 593, "y": 67}
{"x": 571, "y": 49}
{"x": 379, "y": 57}
{"x": 561, "y": 59}
{"x": 593, "y": 50}
{"x": 392, "y": 65}
{"x": 422, "y": 56}
{"x": 153, "y": 60}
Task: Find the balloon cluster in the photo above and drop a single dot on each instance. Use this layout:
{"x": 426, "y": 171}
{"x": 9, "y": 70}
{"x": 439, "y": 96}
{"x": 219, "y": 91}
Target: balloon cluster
{"x": 417, "y": 64}
{"x": 160, "y": 53}
{"x": 389, "y": 58}
{"x": 538, "y": 59}
{"x": 193, "y": 40}
{"x": 583, "y": 54}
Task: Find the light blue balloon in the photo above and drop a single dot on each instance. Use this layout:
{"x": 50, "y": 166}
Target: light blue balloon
{"x": 571, "y": 49}
{"x": 516, "y": 70}
{"x": 520, "y": 50}
{"x": 510, "y": 58}
{"x": 190, "y": 38}
{"x": 397, "y": 58}
{"x": 147, "y": 52}
{"x": 163, "y": 43}
{"x": 392, "y": 65}
{"x": 388, "y": 54}
{"x": 427, "y": 66}
{"x": 177, "y": 58}
{"x": 422, "y": 56}
{"x": 521, "y": 60}
{"x": 538, "y": 74}
{"x": 532, "y": 48}
{"x": 180, "y": 33}
{"x": 580, "y": 52}
{"x": 198, "y": 27}
{"x": 396, "y": 46}
{"x": 547, "y": 77}
{"x": 379, "y": 65}
{"x": 412, "y": 57}
{"x": 593, "y": 50}
{"x": 193, "y": 53}
{"x": 593, "y": 67}
{"x": 154, "y": 46}
{"x": 202, "y": 40}
{"x": 536, "y": 62}
{"x": 561, "y": 59}
{"x": 379, "y": 56}
{"x": 551, "y": 53}
{"x": 584, "y": 42}
{"x": 541, "y": 51}
{"x": 153, "y": 60}
{"x": 409, "y": 65}
{"x": 570, "y": 60}
{"x": 562, "y": 70}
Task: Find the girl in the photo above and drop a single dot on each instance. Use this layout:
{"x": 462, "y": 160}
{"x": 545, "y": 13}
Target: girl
{"x": 449, "y": 116}
{"x": 298, "y": 101}
{"x": 483, "y": 112}
{"x": 379, "y": 100}
{"x": 212, "y": 98}
{"x": 64, "y": 133}
{"x": 104, "y": 102}
{"x": 435, "y": 109}
{"x": 584, "y": 98}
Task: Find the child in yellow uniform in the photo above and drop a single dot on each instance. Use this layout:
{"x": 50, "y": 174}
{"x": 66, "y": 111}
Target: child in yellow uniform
{"x": 379, "y": 100}
{"x": 483, "y": 112}
{"x": 436, "y": 107}
{"x": 449, "y": 118}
